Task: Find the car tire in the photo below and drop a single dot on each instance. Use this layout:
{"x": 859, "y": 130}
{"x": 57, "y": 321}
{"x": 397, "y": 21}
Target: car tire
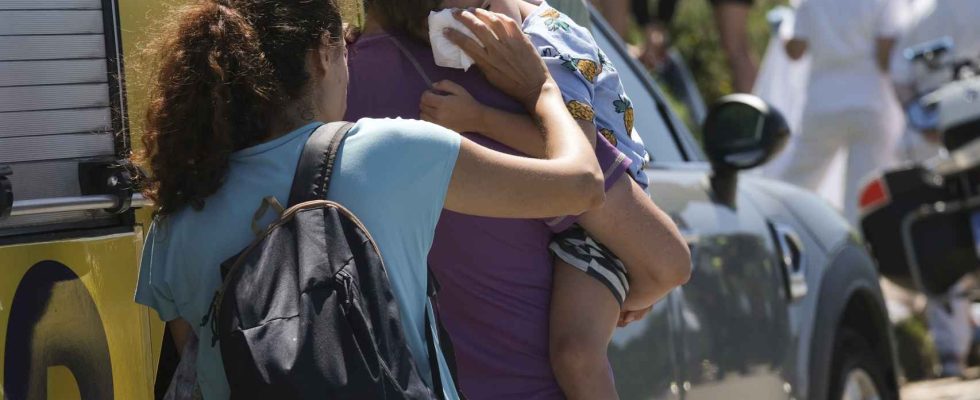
{"x": 856, "y": 373}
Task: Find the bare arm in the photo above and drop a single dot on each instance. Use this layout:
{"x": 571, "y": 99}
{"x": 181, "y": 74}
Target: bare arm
{"x": 644, "y": 238}
{"x": 180, "y": 330}
{"x": 514, "y": 130}
{"x": 456, "y": 109}
{"x": 490, "y": 183}
{"x": 567, "y": 181}
{"x": 883, "y": 53}
{"x": 617, "y": 12}
{"x": 796, "y": 48}
{"x": 731, "y": 18}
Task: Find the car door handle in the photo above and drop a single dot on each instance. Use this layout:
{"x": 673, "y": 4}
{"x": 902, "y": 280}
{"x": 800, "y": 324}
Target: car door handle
{"x": 791, "y": 260}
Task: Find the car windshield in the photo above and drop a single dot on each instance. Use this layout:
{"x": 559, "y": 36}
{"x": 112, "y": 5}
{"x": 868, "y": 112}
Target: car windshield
{"x": 649, "y": 124}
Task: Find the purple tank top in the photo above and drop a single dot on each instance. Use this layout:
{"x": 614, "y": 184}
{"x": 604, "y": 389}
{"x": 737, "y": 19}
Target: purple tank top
{"x": 495, "y": 274}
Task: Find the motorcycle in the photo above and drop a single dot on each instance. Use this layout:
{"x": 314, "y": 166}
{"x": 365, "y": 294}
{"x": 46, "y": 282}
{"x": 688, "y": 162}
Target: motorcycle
{"x": 922, "y": 220}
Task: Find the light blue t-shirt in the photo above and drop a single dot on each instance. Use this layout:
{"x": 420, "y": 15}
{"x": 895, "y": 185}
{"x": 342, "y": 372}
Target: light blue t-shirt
{"x": 392, "y": 174}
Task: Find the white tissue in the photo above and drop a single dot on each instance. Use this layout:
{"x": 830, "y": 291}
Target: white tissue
{"x": 446, "y": 53}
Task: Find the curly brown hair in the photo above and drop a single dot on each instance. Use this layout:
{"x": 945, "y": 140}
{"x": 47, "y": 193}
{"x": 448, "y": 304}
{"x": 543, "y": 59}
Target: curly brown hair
{"x": 227, "y": 68}
{"x": 403, "y": 16}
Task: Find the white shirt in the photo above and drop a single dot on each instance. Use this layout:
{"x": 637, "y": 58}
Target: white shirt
{"x": 930, "y": 20}
{"x": 841, "y": 36}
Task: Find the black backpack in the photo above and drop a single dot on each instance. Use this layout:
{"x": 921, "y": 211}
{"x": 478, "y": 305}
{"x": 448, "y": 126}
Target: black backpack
{"x": 306, "y": 310}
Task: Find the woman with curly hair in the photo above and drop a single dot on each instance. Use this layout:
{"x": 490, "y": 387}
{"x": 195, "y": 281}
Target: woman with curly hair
{"x": 240, "y": 87}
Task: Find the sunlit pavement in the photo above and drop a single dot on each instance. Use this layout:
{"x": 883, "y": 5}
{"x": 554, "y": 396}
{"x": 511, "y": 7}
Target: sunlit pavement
{"x": 944, "y": 389}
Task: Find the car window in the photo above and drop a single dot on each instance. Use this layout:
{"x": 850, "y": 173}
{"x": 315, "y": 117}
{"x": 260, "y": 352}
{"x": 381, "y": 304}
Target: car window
{"x": 649, "y": 123}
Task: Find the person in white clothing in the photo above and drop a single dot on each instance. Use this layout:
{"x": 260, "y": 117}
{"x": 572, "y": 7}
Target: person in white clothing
{"x": 850, "y": 104}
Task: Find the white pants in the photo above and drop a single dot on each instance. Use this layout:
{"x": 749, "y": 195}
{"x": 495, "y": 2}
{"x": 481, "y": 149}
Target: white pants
{"x": 867, "y": 136}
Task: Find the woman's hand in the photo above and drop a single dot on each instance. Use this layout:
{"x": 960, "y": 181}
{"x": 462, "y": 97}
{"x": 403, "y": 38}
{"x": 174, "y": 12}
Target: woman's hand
{"x": 454, "y": 108}
{"x": 507, "y": 57}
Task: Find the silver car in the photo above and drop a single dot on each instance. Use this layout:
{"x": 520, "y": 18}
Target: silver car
{"x": 784, "y": 301}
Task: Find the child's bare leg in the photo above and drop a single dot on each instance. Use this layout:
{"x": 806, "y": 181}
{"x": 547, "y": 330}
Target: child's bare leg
{"x": 584, "y": 314}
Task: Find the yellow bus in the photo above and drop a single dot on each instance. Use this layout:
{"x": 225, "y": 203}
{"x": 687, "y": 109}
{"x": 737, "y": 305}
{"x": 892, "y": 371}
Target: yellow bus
{"x": 71, "y": 230}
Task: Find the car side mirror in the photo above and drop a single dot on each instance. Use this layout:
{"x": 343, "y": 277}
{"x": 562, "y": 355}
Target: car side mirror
{"x": 741, "y": 132}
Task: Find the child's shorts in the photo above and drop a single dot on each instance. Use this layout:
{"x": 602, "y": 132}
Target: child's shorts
{"x": 575, "y": 247}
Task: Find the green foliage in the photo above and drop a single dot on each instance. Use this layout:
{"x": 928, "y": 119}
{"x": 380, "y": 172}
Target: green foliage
{"x": 694, "y": 34}
{"x": 916, "y": 352}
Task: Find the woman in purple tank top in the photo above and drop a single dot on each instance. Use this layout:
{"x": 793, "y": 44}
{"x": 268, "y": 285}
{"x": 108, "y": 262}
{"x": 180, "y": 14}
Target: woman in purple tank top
{"x": 501, "y": 287}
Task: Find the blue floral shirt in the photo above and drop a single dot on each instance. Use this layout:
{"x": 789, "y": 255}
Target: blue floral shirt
{"x": 588, "y": 81}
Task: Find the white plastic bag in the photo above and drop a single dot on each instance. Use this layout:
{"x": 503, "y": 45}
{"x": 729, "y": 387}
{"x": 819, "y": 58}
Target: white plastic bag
{"x": 184, "y": 385}
{"x": 446, "y": 53}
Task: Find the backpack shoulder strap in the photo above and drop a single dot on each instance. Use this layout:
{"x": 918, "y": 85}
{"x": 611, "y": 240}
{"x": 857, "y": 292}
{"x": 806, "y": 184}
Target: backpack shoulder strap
{"x": 436, "y": 335}
{"x": 312, "y": 178}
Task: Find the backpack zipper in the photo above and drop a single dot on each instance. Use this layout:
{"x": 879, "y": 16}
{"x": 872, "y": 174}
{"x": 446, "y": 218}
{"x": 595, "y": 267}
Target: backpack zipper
{"x": 348, "y": 282}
